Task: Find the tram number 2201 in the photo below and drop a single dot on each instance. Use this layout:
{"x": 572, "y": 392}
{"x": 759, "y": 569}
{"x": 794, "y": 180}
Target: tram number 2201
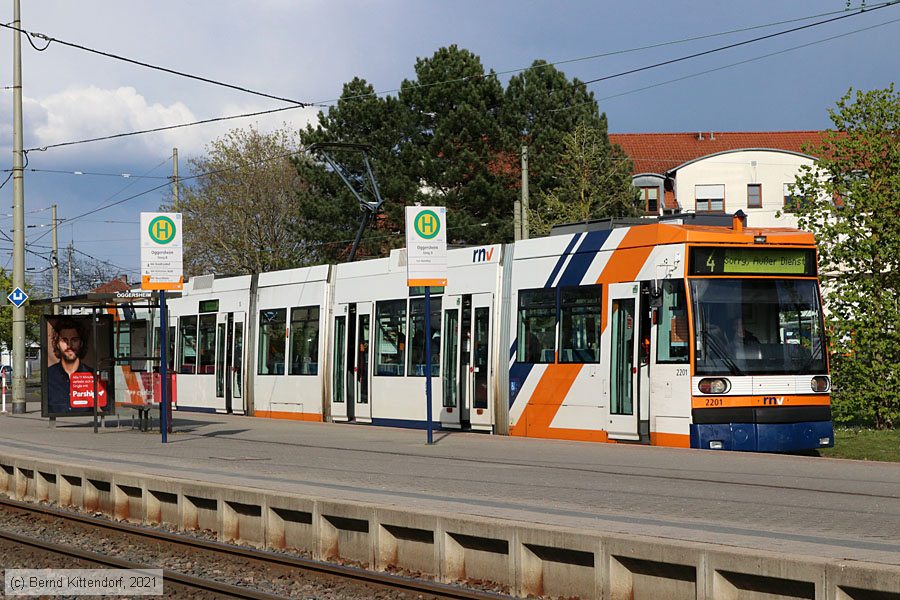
{"x": 715, "y": 402}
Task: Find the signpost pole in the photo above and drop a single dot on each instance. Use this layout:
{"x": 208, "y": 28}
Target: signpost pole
{"x": 96, "y": 401}
{"x": 163, "y": 346}
{"x": 428, "y": 362}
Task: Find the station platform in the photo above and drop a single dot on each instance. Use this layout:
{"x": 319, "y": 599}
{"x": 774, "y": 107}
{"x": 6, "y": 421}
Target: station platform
{"x": 824, "y": 509}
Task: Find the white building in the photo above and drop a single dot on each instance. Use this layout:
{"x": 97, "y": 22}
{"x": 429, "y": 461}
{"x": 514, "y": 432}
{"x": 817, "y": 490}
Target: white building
{"x": 719, "y": 172}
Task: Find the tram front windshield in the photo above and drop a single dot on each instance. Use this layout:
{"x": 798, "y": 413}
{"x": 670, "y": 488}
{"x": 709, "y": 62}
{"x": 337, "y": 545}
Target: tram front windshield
{"x": 757, "y": 327}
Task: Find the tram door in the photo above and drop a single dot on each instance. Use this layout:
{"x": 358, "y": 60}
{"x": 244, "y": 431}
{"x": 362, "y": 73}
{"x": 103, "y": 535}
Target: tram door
{"x": 467, "y": 393}
{"x": 623, "y": 345}
{"x": 226, "y": 345}
{"x": 361, "y": 365}
{"x": 339, "y": 408}
{"x": 237, "y": 361}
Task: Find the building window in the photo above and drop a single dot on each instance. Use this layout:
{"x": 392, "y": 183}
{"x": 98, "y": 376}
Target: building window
{"x": 754, "y": 195}
{"x": 650, "y": 197}
{"x": 305, "y": 340}
{"x": 710, "y": 198}
{"x": 791, "y": 198}
{"x": 580, "y": 313}
{"x": 271, "y": 341}
{"x": 390, "y": 337}
{"x": 537, "y": 326}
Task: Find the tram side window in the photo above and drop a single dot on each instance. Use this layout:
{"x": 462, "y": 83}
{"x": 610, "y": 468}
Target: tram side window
{"x": 580, "y": 313}
{"x": 536, "y": 329}
{"x": 187, "y": 356}
{"x": 271, "y": 341}
{"x": 672, "y": 340}
{"x": 305, "y": 340}
{"x": 206, "y": 342}
{"x": 419, "y": 337}
{"x": 390, "y": 337}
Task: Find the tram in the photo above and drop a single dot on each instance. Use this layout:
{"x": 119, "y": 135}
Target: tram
{"x": 693, "y": 331}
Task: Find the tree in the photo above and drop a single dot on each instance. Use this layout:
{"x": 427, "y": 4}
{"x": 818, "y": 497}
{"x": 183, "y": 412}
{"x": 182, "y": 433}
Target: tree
{"x": 330, "y": 215}
{"x": 455, "y": 134}
{"x": 241, "y": 215}
{"x": 593, "y": 181}
{"x": 541, "y": 106}
{"x": 850, "y": 202}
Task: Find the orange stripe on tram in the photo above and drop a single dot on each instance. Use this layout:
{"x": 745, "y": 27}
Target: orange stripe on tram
{"x": 624, "y": 265}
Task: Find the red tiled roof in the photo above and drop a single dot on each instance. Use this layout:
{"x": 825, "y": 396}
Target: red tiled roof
{"x": 119, "y": 284}
{"x": 660, "y": 152}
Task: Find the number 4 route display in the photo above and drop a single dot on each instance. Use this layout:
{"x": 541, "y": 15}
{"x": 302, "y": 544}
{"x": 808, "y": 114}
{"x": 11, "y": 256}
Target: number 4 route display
{"x": 753, "y": 261}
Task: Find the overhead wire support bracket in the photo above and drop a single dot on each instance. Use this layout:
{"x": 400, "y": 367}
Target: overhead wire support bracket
{"x": 369, "y": 207}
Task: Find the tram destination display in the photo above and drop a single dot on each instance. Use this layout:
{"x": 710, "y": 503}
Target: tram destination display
{"x": 753, "y": 261}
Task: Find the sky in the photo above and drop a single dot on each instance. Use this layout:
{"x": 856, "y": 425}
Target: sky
{"x": 307, "y": 49}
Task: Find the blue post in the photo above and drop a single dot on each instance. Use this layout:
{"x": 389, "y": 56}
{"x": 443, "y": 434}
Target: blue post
{"x": 428, "y": 361}
{"x": 163, "y": 346}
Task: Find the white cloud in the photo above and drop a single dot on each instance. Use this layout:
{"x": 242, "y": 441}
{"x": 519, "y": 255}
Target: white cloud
{"x": 80, "y": 113}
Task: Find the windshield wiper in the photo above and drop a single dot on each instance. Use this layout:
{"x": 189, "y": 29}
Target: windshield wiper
{"x": 714, "y": 344}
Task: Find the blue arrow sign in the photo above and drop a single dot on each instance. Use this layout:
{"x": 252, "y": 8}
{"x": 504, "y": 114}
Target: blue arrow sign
{"x": 18, "y": 297}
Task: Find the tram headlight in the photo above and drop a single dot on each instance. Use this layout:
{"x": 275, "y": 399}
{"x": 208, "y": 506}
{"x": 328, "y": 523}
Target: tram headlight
{"x": 714, "y": 386}
{"x": 820, "y": 383}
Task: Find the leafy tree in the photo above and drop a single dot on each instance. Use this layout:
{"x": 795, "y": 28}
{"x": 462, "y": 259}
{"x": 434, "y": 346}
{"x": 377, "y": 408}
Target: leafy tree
{"x": 242, "y": 213}
{"x": 329, "y": 213}
{"x": 593, "y": 181}
{"x": 456, "y": 133}
{"x": 541, "y": 106}
{"x": 851, "y": 202}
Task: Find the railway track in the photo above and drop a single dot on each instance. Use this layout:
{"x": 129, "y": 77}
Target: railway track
{"x": 384, "y": 582}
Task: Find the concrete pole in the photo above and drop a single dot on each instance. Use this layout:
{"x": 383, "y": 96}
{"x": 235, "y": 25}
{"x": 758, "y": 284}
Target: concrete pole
{"x": 69, "y": 251}
{"x": 54, "y": 262}
{"x": 175, "y": 176}
{"x": 18, "y": 174}
{"x": 517, "y": 220}
{"x": 524, "y": 192}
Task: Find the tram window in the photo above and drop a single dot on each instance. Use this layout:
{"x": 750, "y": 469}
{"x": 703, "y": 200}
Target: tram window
{"x": 672, "y": 338}
{"x": 417, "y": 331}
{"x": 537, "y": 326}
{"x": 580, "y": 313}
{"x": 206, "y": 343}
{"x": 390, "y": 337}
{"x": 305, "y": 340}
{"x": 187, "y": 356}
{"x": 271, "y": 341}
{"x": 123, "y": 338}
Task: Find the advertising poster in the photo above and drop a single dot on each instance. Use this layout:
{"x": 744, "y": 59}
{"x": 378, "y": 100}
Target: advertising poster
{"x": 74, "y": 358}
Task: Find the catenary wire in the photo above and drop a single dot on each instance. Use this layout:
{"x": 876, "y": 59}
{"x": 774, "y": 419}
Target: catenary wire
{"x": 373, "y": 94}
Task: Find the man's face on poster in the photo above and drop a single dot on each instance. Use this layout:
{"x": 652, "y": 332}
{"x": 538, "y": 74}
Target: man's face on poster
{"x": 68, "y": 345}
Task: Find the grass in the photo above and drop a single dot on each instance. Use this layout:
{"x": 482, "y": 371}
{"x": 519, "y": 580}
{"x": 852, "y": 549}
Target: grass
{"x": 865, "y": 444}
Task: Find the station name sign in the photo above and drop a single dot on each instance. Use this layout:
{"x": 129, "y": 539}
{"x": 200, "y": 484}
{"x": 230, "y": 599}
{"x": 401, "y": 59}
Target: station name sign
{"x": 426, "y": 246}
{"x": 161, "y": 251}
{"x": 753, "y": 261}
